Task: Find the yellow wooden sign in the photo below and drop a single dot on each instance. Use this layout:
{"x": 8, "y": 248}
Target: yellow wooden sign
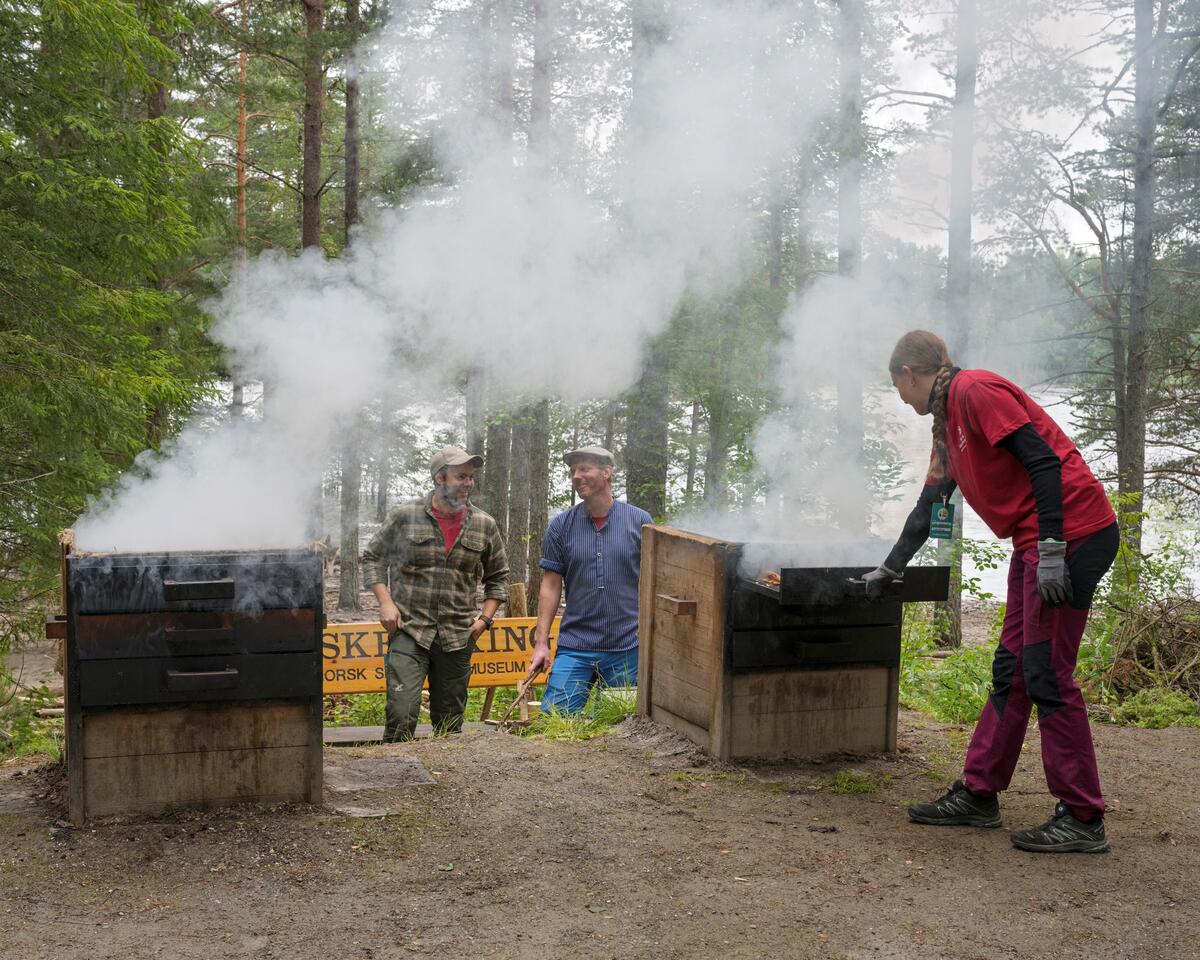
{"x": 353, "y": 655}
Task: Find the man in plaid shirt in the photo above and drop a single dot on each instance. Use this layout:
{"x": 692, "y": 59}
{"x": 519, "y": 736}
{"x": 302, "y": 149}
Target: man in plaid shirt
{"x": 434, "y": 552}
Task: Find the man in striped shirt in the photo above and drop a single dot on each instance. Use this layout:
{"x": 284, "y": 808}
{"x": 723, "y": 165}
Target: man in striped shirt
{"x": 594, "y": 550}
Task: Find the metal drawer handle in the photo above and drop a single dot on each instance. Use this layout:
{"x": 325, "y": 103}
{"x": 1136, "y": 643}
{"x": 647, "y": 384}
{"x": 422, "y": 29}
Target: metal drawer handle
{"x": 202, "y": 679}
{"x": 198, "y": 589}
{"x": 194, "y": 634}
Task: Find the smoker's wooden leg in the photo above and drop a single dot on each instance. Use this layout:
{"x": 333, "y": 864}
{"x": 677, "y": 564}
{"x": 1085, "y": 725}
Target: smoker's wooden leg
{"x": 893, "y": 709}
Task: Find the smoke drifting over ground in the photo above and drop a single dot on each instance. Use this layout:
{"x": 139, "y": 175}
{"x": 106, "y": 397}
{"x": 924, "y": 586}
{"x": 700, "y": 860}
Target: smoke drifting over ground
{"x": 522, "y": 268}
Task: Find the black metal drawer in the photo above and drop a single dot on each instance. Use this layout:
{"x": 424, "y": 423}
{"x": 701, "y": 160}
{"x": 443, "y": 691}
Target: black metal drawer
{"x": 233, "y": 582}
{"x": 747, "y": 651}
{"x": 116, "y": 636}
{"x": 756, "y": 607}
{"x": 105, "y": 683}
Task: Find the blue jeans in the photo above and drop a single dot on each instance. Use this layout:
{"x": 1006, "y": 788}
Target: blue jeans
{"x": 575, "y": 672}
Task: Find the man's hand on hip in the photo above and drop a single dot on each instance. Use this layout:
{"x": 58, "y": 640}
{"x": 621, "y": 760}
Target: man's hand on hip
{"x": 389, "y": 616}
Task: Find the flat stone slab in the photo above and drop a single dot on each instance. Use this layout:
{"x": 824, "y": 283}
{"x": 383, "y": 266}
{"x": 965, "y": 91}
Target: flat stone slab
{"x": 365, "y": 736}
{"x": 362, "y": 813}
{"x": 376, "y": 773}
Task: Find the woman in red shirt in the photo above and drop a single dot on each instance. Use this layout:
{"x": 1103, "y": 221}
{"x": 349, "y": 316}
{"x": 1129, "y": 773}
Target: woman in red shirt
{"x": 1026, "y": 480}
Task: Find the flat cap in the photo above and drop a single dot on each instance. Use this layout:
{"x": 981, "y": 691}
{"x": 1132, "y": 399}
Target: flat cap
{"x": 598, "y": 454}
{"x": 452, "y": 457}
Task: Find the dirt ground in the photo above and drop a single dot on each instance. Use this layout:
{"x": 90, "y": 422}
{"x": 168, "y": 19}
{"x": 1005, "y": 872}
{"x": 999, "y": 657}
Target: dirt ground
{"x": 630, "y": 845}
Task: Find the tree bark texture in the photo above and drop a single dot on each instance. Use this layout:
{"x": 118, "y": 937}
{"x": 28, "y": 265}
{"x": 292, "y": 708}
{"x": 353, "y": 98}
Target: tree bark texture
{"x": 539, "y": 103}
{"x": 350, "y": 579}
{"x": 539, "y": 497}
{"x": 352, "y": 466}
{"x": 648, "y": 422}
{"x": 314, "y": 94}
{"x": 852, "y": 498}
{"x": 494, "y": 488}
{"x": 958, "y": 274}
{"x": 519, "y": 475}
{"x": 1132, "y": 449}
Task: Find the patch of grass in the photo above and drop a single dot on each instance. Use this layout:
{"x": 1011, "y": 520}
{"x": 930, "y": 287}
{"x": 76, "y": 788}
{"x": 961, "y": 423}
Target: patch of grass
{"x": 359, "y": 710}
{"x": 846, "y": 782}
{"x": 1155, "y": 708}
{"x": 606, "y": 707}
{"x": 24, "y": 733}
{"x": 682, "y": 776}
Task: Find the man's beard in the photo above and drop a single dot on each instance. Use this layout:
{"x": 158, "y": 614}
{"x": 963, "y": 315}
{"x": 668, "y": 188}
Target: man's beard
{"x": 456, "y": 499}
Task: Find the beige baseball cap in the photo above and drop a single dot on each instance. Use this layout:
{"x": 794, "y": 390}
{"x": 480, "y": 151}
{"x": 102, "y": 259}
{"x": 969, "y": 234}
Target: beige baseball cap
{"x": 452, "y": 457}
{"x": 598, "y": 454}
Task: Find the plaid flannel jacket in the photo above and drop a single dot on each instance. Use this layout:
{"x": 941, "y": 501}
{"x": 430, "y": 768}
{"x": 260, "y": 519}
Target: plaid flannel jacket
{"x": 435, "y": 590}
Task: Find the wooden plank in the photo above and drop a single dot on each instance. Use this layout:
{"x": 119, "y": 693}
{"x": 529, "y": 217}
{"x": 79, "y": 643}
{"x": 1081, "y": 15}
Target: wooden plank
{"x": 686, "y": 536}
{"x": 119, "y": 785}
{"x": 76, "y": 811}
{"x": 667, "y": 660}
{"x": 812, "y": 734}
{"x": 314, "y": 781}
{"x": 646, "y": 590}
{"x": 810, "y": 713}
{"x": 893, "y": 708}
{"x": 720, "y": 724}
{"x": 669, "y": 647}
{"x": 696, "y": 734}
{"x": 196, "y": 728}
{"x": 830, "y": 689}
{"x": 681, "y": 697}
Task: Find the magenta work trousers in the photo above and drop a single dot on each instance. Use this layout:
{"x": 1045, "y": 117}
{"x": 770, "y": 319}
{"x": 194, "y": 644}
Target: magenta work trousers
{"x": 1035, "y": 665}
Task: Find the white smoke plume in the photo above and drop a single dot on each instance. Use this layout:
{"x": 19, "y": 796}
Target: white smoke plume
{"x": 521, "y": 267}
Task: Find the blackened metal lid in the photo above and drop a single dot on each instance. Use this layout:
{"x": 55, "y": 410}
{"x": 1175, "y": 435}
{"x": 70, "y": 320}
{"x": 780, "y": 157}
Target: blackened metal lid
{"x": 243, "y": 581}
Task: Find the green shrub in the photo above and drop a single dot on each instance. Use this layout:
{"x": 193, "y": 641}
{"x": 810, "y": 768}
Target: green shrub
{"x": 24, "y": 733}
{"x": 1155, "y": 708}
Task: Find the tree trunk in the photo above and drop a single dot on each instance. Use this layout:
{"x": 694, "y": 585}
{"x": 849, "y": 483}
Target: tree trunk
{"x": 693, "y": 446}
{"x": 350, "y": 578}
{"x": 716, "y": 454}
{"x": 851, "y": 501}
{"x": 646, "y": 444}
{"x": 349, "y": 583}
{"x": 958, "y": 276}
{"x": 383, "y": 462}
{"x": 474, "y": 412}
{"x": 516, "y": 536}
{"x": 494, "y": 488}
{"x": 1132, "y": 447}
{"x": 237, "y": 407}
{"x": 539, "y": 497}
{"x": 314, "y": 94}
{"x": 539, "y": 104}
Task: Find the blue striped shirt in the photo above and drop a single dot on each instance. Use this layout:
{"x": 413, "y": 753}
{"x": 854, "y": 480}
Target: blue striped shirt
{"x": 600, "y": 570}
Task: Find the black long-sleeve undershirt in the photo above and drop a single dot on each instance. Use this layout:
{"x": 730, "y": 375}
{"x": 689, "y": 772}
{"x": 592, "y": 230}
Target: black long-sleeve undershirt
{"x": 1045, "y": 477}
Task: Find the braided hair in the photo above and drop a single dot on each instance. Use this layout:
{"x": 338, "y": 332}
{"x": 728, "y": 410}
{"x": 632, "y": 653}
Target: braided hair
{"x": 923, "y": 353}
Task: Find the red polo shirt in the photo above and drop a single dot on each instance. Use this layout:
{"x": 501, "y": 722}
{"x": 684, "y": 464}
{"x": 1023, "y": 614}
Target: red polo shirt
{"x": 982, "y": 409}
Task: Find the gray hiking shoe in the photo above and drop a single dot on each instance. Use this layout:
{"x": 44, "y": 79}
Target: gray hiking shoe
{"x": 1062, "y": 833}
{"x": 958, "y": 807}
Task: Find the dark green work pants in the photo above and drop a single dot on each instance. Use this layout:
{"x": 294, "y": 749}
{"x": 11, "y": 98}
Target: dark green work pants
{"x": 408, "y": 664}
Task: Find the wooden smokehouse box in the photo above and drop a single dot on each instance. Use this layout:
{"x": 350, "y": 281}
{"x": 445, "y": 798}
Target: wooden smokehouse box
{"x": 749, "y": 670}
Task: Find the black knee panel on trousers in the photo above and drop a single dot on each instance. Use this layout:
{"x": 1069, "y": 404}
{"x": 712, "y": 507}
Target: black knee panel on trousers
{"x": 1040, "y": 679}
{"x": 1004, "y": 663}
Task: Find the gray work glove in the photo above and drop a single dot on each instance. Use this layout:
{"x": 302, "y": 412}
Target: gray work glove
{"x": 1053, "y": 579}
{"x": 878, "y": 580}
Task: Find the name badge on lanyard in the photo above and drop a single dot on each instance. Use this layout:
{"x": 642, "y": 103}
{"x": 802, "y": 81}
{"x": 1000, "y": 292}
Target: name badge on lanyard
{"x": 941, "y": 521}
